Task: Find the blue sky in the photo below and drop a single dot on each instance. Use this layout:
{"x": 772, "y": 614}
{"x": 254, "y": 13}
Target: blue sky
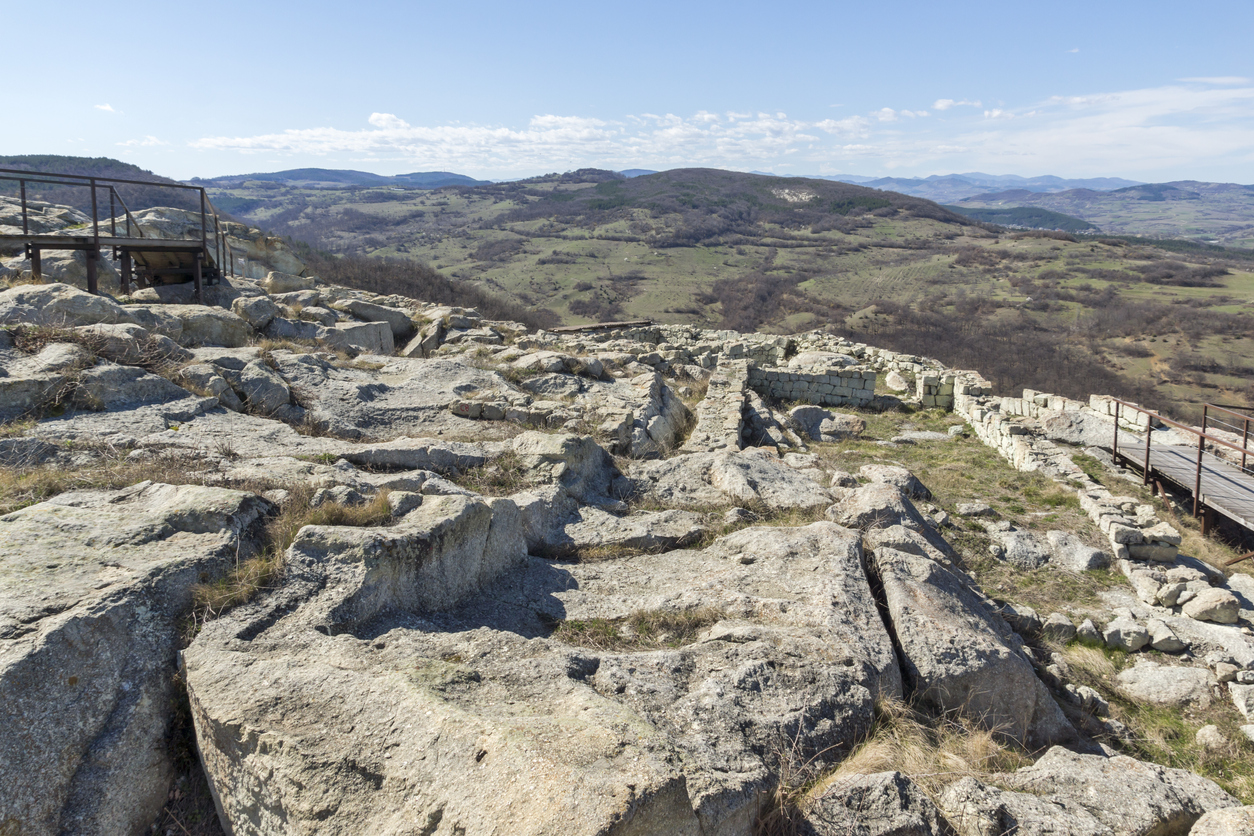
{"x": 1150, "y": 91}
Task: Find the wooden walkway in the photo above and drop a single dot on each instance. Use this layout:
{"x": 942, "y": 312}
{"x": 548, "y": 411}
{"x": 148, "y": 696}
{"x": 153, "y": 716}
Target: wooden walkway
{"x": 1225, "y": 488}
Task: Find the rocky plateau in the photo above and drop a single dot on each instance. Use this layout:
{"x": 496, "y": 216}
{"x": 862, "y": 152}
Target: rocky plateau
{"x": 602, "y": 581}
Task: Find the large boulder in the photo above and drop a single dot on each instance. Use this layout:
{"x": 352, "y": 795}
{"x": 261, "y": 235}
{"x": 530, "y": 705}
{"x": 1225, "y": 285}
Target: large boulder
{"x": 257, "y": 311}
{"x": 877, "y": 505}
{"x": 110, "y": 387}
{"x": 1081, "y": 428}
{"x": 315, "y": 716}
{"x": 94, "y": 588}
{"x": 30, "y": 383}
{"x": 58, "y": 305}
{"x": 132, "y": 345}
{"x": 820, "y": 424}
{"x": 400, "y": 321}
{"x": 1166, "y": 685}
{"x": 369, "y": 337}
{"x": 882, "y": 804}
{"x": 576, "y": 462}
{"x": 199, "y": 324}
{"x": 1022, "y": 548}
{"x": 890, "y": 474}
{"x": 959, "y": 655}
{"x": 277, "y": 282}
{"x": 264, "y": 391}
{"x": 1070, "y": 552}
{"x": 1066, "y": 792}
{"x": 1230, "y": 821}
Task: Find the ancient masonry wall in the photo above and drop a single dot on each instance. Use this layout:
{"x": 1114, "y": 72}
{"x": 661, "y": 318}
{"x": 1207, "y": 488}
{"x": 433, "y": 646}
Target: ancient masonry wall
{"x": 1134, "y": 530}
{"x": 847, "y": 386}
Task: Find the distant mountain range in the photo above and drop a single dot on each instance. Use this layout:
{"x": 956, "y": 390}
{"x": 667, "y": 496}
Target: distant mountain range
{"x": 950, "y": 188}
{"x": 1221, "y": 213}
{"x": 328, "y": 178}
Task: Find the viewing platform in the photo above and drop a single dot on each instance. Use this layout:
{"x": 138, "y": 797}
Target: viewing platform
{"x": 1219, "y": 486}
{"x": 143, "y": 259}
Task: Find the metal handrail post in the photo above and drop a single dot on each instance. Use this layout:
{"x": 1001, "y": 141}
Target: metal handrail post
{"x": 113, "y": 218}
{"x": 1116, "y": 445}
{"x": 1146, "y": 469}
{"x": 1245, "y": 442}
{"x": 203, "y": 232}
{"x": 1197, "y": 487}
{"x": 95, "y": 220}
{"x": 25, "y": 218}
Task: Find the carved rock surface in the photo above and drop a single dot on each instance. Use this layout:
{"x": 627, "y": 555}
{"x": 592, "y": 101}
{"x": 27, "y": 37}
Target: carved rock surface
{"x": 93, "y": 588}
{"x": 313, "y": 714}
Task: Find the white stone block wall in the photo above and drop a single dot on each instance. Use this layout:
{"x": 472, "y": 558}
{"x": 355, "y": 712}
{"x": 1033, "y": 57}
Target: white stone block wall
{"x": 845, "y": 386}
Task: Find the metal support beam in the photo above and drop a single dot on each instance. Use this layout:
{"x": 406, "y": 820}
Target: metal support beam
{"x": 36, "y": 264}
{"x": 125, "y": 258}
{"x": 93, "y": 280}
{"x": 196, "y": 278}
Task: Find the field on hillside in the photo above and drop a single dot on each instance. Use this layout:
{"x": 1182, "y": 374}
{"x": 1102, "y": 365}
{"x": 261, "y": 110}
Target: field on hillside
{"x": 1166, "y": 325}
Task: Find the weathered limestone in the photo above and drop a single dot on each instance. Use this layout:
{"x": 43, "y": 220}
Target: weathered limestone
{"x": 93, "y": 588}
{"x": 411, "y": 724}
{"x": 706, "y": 480}
{"x": 1084, "y": 794}
{"x": 959, "y": 656}
{"x": 58, "y": 305}
{"x": 883, "y": 804}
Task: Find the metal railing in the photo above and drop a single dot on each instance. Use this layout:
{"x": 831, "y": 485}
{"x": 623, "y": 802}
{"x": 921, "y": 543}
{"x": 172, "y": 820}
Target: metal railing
{"x": 1202, "y": 438}
{"x": 1243, "y": 427}
{"x": 224, "y": 257}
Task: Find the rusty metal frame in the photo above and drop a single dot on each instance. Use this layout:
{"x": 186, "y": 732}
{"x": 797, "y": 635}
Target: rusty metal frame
{"x": 223, "y": 255}
{"x": 1202, "y": 438}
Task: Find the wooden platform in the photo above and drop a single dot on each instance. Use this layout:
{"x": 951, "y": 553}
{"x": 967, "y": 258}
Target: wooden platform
{"x": 1226, "y": 489}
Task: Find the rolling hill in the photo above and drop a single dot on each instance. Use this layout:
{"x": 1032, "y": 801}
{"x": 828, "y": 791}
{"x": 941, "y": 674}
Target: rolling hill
{"x": 1054, "y": 311}
{"x": 136, "y": 197}
{"x": 328, "y": 178}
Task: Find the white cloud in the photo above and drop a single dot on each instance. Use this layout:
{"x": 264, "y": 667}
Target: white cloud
{"x": 1074, "y": 50}
{"x": 1187, "y": 126}
{"x": 387, "y": 121}
{"x": 946, "y": 104}
{"x": 146, "y": 142}
{"x": 108, "y": 108}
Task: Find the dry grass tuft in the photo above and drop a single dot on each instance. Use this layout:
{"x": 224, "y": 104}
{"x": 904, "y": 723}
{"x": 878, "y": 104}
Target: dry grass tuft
{"x": 932, "y": 751}
{"x": 1167, "y": 735}
{"x": 259, "y": 573}
{"x": 500, "y": 476}
{"x": 642, "y": 630}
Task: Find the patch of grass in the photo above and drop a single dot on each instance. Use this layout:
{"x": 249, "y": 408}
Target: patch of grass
{"x": 1166, "y": 735}
{"x": 20, "y": 487}
{"x": 642, "y": 630}
{"x": 1047, "y": 590}
{"x": 932, "y": 751}
{"x": 260, "y": 572}
{"x": 500, "y": 476}
{"x": 1092, "y": 467}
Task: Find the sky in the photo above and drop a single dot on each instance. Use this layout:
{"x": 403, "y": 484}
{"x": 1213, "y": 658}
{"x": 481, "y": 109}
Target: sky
{"x": 1149, "y": 90}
